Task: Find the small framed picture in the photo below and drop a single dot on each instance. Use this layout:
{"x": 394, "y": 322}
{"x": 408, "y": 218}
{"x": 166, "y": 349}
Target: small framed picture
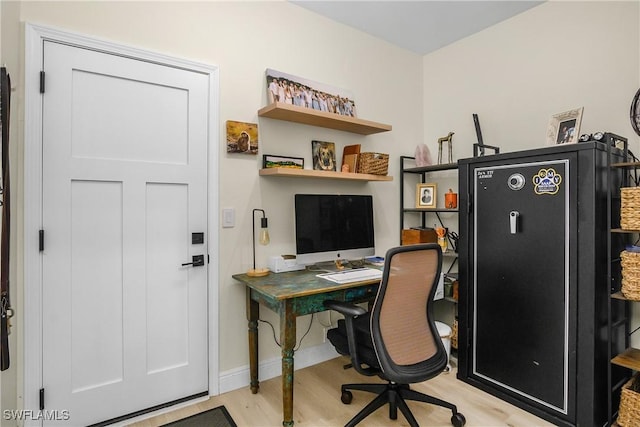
{"x": 242, "y": 137}
{"x": 324, "y": 155}
{"x": 426, "y": 196}
{"x": 271, "y": 161}
{"x": 564, "y": 128}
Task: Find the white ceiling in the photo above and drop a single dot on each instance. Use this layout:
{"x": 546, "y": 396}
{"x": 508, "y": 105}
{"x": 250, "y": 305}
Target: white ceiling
{"x": 421, "y": 26}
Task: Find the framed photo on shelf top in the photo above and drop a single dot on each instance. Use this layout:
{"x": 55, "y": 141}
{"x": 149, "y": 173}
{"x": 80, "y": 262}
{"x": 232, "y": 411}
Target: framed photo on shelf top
{"x": 564, "y": 128}
{"x": 324, "y": 155}
{"x": 426, "y": 196}
{"x": 302, "y": 92}
{"x": 271, "y": 161}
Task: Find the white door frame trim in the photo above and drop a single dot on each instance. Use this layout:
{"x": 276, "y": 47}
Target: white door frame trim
{"x": 35, "y": 35}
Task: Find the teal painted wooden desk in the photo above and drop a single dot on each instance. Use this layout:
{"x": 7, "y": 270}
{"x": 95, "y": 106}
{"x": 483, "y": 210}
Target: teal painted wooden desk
{"x": 292, "y": 294}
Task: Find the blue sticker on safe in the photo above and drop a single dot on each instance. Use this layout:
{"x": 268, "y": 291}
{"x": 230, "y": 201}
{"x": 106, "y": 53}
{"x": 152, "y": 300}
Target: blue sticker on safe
{"x": 547, "y": 181}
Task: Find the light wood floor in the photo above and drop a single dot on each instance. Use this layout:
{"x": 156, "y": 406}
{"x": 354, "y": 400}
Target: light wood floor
{"x": 317, "y": 403}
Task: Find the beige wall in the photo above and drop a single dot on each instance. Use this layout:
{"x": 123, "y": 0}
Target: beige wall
{"x": 243, "y": 39}
{"x": 515, "y": 76}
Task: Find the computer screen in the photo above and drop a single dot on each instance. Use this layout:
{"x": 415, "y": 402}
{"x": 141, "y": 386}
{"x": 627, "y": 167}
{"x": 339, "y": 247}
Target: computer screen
{"x": 331, "y": 227}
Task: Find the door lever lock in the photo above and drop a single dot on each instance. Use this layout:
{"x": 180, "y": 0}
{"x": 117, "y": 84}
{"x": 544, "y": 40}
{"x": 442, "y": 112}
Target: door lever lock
{"x": 197, "y": 261}
{"x": 513, "y": 221}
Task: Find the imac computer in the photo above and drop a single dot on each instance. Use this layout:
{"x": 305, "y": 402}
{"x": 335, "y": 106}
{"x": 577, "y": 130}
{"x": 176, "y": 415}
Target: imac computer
{"x": 333, "y": 227}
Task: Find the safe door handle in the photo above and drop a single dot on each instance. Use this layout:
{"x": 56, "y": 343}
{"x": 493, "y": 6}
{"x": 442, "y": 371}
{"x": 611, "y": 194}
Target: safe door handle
{"x": 513, "y": 221}
{"x": 197, "y": 261}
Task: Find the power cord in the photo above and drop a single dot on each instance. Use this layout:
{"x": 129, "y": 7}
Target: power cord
{"x": 295, "y": 348}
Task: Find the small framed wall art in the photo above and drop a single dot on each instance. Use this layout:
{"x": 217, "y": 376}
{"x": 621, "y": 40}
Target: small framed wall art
{"x": 324, "y": 155}
{"x": 271, "y": 161}
{"x": 242, "y": 137}
{"x": 426, "y": 196}
{"x": 564, "y": 128}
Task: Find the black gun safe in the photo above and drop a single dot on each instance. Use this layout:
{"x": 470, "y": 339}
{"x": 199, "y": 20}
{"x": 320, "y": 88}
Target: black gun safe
{"x": 535, "y": 312}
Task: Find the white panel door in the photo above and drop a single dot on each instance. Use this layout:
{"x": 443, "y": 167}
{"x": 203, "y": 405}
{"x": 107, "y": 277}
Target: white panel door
{"x": 124, "y": 188}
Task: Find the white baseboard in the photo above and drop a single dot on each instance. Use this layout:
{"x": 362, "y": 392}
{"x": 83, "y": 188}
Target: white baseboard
{"x": 234, "y": 379}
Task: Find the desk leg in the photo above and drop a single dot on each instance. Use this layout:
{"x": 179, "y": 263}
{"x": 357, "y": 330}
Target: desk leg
{"x": 288, "y": 342}
{"x": 253, "y": 313}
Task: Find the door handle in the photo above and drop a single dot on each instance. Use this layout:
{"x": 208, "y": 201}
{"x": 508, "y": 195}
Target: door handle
{"x": 196, "y": 261}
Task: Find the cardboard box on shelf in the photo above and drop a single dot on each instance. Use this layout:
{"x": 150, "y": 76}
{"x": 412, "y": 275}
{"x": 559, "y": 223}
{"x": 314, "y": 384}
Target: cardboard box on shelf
{"x": 412, "y": 236}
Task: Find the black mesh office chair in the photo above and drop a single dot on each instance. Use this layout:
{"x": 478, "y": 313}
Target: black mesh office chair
{"x": 398, "y": 339}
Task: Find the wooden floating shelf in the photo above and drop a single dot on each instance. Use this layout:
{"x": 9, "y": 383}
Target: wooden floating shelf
{"x": 629, "y": 359}
{"x": 625, "y": 165}
{"x": 430, "y": 210}
{"x": 619, "y": 295}
{"x": 308, "y": 116}
{"x": 432, "y": 168}
{"x": 308, "y": 173}
{"x": 621, "y": 230}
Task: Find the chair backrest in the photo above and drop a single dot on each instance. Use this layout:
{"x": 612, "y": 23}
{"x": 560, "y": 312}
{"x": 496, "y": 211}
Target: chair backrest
{"x": 403, "y": 329}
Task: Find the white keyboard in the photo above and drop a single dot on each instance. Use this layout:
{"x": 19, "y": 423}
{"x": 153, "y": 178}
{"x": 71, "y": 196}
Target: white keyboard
{"x": 354, "y": 275}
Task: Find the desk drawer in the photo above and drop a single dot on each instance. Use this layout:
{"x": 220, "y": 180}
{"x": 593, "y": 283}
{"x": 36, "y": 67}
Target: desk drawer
{"x": 315, "y": 303}
{"x": 362, "y": 293}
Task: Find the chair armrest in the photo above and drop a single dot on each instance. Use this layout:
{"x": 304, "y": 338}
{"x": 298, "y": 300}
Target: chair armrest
{"x": 350, "y": 312}
{"x": 344, "y": 308}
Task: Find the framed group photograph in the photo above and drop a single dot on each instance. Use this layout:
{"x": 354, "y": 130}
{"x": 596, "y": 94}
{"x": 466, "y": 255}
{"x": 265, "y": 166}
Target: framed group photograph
{"x": 426, "y": 196}
{"x": 271, "y": 161}
{"x": 305, "y": 93}
{"x": 564, "y": 128}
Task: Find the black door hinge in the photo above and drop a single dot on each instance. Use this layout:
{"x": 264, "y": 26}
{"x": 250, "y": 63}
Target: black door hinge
{"x": 41, "y": 399}
{"x": 41, "y": 240}
{"x": 41, "y": 81}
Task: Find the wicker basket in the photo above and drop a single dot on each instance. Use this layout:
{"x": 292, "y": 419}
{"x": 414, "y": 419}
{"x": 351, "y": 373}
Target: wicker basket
{"x": 629, "y": 411}
{"x": 630, "y": 262}
{"x": 373, "y": 163}
{"x": 630, "y": 208}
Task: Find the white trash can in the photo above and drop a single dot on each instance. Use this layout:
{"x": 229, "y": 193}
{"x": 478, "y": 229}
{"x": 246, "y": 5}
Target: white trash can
{"x": 444, "y": 331}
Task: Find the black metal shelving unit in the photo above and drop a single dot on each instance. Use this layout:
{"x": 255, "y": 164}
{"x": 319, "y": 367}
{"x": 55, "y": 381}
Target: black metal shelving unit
{"x": 424, "y": 213}
{"x": 626, "y": 359}
{"x": 422, "y": 171}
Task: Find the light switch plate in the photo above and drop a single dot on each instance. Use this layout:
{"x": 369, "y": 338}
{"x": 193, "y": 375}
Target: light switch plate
{"x": 228, "y": 217}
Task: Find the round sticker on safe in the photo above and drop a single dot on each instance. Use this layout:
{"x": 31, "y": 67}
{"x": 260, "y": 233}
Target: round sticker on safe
{"x": 546, "y": 181}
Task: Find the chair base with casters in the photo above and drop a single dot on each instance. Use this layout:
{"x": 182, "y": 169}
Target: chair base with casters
{"x": 398, "y": 339}
{"x": 395, "y": 395}
{"x": 390, "y": 392}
